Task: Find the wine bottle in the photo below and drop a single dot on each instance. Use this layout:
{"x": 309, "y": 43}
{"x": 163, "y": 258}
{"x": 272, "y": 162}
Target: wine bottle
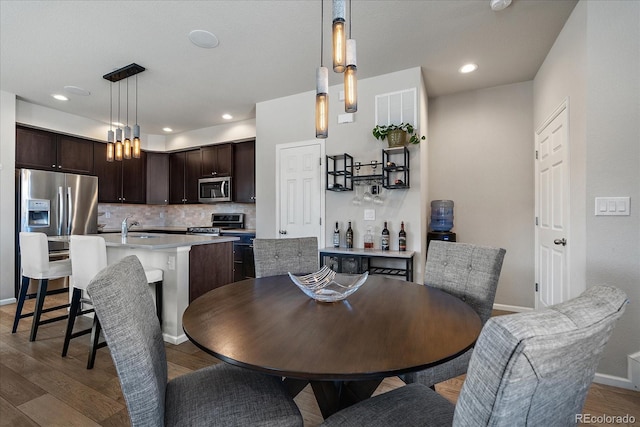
{"x": 402, "y": 238}
{"x": 385, "y": 237}
{"x": 336, "y": 236}
{"x": 349, "y": 236}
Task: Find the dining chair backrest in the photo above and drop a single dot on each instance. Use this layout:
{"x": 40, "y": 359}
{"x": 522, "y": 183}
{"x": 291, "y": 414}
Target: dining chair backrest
{"x": 34, "y": 254}
{"x": 535, "y": 368}
{"x": 127, "y": 313}
{"x": 88, "y": 256}
{"x": 469, "y": 272}
{"x": 297, "y": 255}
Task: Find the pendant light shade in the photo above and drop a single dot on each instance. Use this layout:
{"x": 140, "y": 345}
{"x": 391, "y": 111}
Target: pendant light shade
{"x": 126, "y": 145}
{"x": 136, "y": 141}
{"x": 322, "y": 102}
{"x": 350, "y": 80}
{"x": 110, "y": 146}
{"x": 339, "y": 36}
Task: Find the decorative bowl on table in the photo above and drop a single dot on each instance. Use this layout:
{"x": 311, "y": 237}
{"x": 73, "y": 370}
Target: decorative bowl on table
{"x": 325, "y": 285}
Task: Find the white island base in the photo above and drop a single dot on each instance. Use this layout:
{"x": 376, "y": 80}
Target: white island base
{"x": 170, "y": 253}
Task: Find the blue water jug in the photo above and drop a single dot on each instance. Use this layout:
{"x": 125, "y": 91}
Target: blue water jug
{"x": 441, "y": 215}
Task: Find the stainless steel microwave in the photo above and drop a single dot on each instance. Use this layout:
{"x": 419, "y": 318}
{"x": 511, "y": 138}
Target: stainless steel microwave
{"x": 212, "y": 190}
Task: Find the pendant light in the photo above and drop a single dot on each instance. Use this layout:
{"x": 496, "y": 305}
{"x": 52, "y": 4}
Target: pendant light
{"x": 126, "y": 146}
{"x": 119, "y": 131}
{"x": 110, "y": 137}
{"x": 118, "y": 151}
{"x": 339, "y": 38}
{"x": 136, "y": 129}
{"x": 350, "y": 80}
{"x": 322, "y": 88}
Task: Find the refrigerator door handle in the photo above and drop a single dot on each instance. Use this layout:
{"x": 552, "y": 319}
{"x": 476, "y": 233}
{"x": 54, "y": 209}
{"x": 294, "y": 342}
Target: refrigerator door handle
{"x": 69, "y": 210}
{"x": 60, "y": 210}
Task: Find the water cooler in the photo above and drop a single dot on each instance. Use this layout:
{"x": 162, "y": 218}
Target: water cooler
{"x": 441, "y": 222}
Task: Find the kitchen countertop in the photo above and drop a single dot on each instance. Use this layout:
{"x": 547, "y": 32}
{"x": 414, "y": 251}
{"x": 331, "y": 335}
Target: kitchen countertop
{"x": 154, "y": 241}
{"x": 174, "y": 229}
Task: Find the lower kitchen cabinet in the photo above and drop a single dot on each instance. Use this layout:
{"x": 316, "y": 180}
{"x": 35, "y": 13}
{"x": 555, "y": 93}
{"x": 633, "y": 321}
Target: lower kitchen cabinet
{"x": 210, "y": 266}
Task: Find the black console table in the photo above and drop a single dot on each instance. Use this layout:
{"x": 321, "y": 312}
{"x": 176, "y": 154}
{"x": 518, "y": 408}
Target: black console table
{"x": 358, "y": 260}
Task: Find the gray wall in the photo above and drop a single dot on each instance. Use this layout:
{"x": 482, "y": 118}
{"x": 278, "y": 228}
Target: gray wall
{"x": 481, "y": 157}
{"x": 595, "y": 62}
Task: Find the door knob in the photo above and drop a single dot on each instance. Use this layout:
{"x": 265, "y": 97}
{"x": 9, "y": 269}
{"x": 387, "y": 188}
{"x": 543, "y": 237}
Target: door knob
{"x": 562, "y": 241}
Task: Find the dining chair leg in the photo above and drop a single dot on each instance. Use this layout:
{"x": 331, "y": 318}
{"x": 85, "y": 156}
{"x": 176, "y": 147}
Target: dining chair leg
{"x": 95, "y": 338}
{"x": 21, "y": 297}
{"x": 42, "y": 292}
{"x": 73, "y": 313}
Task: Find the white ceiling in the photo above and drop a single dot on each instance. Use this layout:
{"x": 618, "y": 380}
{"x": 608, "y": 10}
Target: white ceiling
{"x": 268, "y": 49}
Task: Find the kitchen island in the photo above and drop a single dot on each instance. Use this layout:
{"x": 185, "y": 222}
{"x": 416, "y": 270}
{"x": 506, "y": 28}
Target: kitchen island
{"x": 211, "y": 256}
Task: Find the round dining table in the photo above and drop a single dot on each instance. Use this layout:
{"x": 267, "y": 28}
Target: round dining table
{"x": 345, "y": 348}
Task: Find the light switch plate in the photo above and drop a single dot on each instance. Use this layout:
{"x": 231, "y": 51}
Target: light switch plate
{"x": 609, "y": 206}
{"x": 369, "y": 214}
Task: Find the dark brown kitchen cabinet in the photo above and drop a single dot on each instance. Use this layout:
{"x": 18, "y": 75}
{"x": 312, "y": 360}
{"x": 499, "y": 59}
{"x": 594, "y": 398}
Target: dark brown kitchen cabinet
{"x": 119, "y": 181}
{"x": 39, "y": 149}
{"x": 184, "y": 172}
{"x": 244, "y": 172}
{"x": 210, "y": 266}
{"x": 217, "y": 160}
{"x": 157, "y": 178}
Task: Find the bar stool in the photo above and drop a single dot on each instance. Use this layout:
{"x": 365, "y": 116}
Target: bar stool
{"x": 88, "y": 257}
{"x": 34, "y": 253}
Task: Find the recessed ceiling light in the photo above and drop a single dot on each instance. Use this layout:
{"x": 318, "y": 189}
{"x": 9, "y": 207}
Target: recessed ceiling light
{"x": 77, "y": 90}
{"x": 497, "y": 5}
{"x": 205, "y": 39}
{"x": 118, "y": 124}
{"x": 60, "y": 97}
{"x": 468, "y": 68}
{"x": 167, "y": 129}
{"x": 227, "y": 116}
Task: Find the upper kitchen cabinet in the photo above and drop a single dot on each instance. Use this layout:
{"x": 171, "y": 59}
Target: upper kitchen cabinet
{"x": 157, "y": 178}
{"x": 244, "y": 172}
{"x": 184, "y": 172}
{"x": 119, "y": 181}
{"x": 39, "y": 149}
{"x": 217, "y": 160}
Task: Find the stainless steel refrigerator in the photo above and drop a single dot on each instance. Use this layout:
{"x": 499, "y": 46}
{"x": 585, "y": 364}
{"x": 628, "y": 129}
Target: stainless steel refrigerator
{"x": 54, "y": 203}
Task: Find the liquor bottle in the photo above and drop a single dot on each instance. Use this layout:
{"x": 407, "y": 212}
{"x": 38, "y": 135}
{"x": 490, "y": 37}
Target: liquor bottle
{"x": 336, "y": 236}
{"x": 385, "y": 237}
{"x": 349, "y": 236}
{"x": 368, "y": 239}
{"x": 402, "y": 238}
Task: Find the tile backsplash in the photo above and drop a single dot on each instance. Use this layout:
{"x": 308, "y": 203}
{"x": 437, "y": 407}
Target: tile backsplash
{"x": 112, "y": 214}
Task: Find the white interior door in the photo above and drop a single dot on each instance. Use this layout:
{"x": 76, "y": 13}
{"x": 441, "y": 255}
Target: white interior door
{"x": 552, "y": 202}
{"x": 300, "y": 202}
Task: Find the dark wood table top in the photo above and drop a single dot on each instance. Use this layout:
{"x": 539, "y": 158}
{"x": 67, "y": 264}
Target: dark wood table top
{"x": 388, "y": 327}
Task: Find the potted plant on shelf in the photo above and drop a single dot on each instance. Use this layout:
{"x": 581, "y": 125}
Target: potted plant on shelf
{"x": 397, "y": 135}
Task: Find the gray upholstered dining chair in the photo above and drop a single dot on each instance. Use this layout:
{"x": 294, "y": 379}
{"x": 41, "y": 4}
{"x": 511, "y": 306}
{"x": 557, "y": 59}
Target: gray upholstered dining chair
{"x": 531, "y": 368}
{"x": 219, "y": 395}
{"x": 298, "y": 255}
{"x": 470, "y": 273}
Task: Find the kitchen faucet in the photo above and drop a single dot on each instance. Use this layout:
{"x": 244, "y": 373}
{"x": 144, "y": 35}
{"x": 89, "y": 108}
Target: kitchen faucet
{"x": 125, "y": 227}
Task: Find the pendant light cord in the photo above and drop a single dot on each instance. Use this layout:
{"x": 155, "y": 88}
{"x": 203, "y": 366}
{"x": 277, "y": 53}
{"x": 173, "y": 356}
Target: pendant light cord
{"x": 111, "y": 107}
{"x": 321, "y": 33}
{"x": 349, "y": 18}
{"x": 127, "y": 102}
{"x": 136, "y": 99}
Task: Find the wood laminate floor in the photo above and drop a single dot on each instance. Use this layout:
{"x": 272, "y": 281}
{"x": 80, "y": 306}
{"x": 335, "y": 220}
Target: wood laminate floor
{"x": 40, "y": 388}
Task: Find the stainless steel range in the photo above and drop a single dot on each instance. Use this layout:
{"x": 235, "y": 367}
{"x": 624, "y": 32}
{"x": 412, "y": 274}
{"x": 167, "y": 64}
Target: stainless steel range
{"x": 220, "y": 222}
{"x": 232, "y": 224}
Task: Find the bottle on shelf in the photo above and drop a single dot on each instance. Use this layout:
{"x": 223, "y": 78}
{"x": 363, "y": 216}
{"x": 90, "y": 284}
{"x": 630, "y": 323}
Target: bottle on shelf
{"x": 349, "y": 236}
{"x": 368, "y": 239}
{"x": 402, "y": 238}
{"x": 385, "y": 237}
{"x": 336, "y": 236}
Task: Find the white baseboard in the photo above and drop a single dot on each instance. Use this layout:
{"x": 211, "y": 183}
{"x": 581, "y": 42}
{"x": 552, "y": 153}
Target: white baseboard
{"x": 514, "y": 308}
{"x": 614, "y": 381}
{"x": 7, "y": 301}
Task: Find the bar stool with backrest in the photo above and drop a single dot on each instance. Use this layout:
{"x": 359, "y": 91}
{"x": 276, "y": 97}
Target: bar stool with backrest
{"x": 35, "y": 264}
{"x": 88, "y": 258}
